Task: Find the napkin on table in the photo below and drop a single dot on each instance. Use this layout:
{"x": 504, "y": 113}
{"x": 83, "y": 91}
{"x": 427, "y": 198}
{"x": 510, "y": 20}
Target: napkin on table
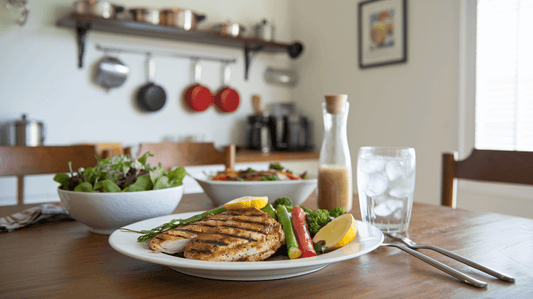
{"x": 31, "y": 216}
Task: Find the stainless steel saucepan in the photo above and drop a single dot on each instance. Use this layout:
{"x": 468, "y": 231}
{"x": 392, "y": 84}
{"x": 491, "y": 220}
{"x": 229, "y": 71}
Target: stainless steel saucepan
{"x": 111, "y": 72}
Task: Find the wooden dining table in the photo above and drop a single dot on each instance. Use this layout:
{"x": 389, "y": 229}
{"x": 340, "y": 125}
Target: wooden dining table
{"x": 63, "y": 259}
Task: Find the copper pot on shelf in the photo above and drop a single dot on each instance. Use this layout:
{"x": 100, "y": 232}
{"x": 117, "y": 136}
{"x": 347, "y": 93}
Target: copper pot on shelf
{"x": 229, "y": 29}
{"x": 146, "y": 15}
{"x": 101, "y": 9}
{"x": 184, "y": 19}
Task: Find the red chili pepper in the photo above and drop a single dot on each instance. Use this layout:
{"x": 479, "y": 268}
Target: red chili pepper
{"x": 292, "y": 176}
{"x": 300, "y": 228}
{"x": 221, "y": 177}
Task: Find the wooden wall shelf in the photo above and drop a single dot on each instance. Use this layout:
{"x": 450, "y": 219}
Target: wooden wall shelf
{"x": 83, "y": 24}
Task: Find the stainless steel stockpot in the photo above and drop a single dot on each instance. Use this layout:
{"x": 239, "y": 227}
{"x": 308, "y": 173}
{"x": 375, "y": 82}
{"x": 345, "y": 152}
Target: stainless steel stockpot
{"x": 27, "y": 132}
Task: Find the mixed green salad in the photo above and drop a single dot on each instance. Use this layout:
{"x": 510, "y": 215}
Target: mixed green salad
{"x": 120, "y": 174}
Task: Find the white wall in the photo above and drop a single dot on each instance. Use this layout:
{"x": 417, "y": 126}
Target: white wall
{"x": 411, "y": 104}
{"x": 39, "y": 77}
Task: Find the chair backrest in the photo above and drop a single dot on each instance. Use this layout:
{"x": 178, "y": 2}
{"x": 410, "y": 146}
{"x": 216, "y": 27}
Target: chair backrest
{"x": 24, "y": 160}
{"x": 172, "y": 154}
{"x": 110, "y": 153}
{"x": 484, "y": 165}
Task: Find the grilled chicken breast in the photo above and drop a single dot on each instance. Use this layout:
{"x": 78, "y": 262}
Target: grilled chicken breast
{"x": 246, "y": 234}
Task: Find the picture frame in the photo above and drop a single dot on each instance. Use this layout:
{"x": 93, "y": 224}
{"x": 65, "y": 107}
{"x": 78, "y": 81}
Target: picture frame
{"x": 382, "y": 28}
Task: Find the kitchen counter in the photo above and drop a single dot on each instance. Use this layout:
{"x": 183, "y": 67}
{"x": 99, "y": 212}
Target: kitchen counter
{"x": 245, "y": 155}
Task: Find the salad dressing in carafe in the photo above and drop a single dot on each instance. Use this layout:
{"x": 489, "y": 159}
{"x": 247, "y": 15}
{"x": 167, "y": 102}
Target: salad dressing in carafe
{"x": 335, "y": 166}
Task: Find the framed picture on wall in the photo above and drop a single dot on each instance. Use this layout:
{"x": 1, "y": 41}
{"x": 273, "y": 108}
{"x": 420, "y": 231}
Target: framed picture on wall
{"x": 382, "y": 32}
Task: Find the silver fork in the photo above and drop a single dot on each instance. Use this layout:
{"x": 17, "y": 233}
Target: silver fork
{"x": 457, "y": 274}
{"x": 411, "y": 244}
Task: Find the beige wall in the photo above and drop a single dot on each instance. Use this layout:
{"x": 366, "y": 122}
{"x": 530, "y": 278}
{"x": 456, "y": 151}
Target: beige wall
{"x": 410, "y": 104}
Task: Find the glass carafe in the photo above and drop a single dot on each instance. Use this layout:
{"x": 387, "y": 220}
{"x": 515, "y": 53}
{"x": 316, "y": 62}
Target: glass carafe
{"x": 335, "y": 165}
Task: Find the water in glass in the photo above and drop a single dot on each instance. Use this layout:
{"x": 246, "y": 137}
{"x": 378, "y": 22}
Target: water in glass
{"x": 386, "y": 183}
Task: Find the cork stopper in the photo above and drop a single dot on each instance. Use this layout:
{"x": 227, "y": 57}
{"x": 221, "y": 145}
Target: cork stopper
{"x": 335, "y": 102}
{"x": 256, "y": 102}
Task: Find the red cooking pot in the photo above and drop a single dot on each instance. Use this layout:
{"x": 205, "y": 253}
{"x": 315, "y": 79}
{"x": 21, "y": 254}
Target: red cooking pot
{"x": 227, "y": 98}
{"x": 198, "y": 97}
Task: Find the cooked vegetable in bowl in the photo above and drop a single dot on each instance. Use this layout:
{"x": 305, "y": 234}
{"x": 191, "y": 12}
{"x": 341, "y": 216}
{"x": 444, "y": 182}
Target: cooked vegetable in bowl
{"x": 276, "y": 172}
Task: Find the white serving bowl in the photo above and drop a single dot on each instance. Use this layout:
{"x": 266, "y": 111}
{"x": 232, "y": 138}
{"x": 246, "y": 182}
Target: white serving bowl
{"x": 220, "y": 192}
{"x": 104, "y": 213}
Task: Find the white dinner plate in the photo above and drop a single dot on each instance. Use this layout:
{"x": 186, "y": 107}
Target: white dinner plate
{"x": 367, "y": 239}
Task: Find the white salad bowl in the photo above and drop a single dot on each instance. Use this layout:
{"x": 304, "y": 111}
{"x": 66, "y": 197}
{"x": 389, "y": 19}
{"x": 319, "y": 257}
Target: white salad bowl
{"x": 104, "y": 213}
{"x": 220, "y": 192}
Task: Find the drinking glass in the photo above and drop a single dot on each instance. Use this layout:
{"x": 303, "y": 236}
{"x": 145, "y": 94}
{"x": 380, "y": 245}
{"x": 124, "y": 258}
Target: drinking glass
{"x": 386, "y": 183}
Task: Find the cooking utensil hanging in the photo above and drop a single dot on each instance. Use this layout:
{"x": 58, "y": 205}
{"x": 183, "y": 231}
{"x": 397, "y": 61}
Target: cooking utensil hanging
{"x": 227, "y": 98}
{"x": 151, "y": 97}
{"x": 197, "y": 96}
{"x": 111, "y": 72}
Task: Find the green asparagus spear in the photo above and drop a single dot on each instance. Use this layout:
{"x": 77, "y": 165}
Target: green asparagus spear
{"x": 270, "y": 210}
{"x": 293, "y": 248}
{"x": 149, "y": 234}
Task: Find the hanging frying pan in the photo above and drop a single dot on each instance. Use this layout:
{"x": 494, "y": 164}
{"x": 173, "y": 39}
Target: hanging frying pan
{"x": 151, "y": 97}
{"x": 227, "y": 98}
{"x": 198, "y": 97}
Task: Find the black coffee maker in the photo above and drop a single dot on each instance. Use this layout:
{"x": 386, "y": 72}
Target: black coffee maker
{"x": 258, "y": 133}
{"x": 289, "y": 131}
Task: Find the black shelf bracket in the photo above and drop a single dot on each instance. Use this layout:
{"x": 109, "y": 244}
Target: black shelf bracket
{"x": 82, "y": 29}
{"x": 249, "y": 51}
{"x": 83, "y": 24}
{"x": 295, "y": 50}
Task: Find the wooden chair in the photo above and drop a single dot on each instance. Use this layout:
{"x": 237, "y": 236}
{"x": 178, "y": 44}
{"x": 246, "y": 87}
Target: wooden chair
{"x": 173, "y": 154}
{"x": 23, "y": 160}
{"x": 484, "y": 165}
{"x": 109, "y": 153}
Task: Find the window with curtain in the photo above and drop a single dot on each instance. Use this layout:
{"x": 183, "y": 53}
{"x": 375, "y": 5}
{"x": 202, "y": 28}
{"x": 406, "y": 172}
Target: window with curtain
{"x": 504, "y": 75}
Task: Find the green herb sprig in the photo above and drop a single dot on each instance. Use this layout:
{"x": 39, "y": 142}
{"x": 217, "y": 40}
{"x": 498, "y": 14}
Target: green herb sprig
{"x": 147, "y": 235}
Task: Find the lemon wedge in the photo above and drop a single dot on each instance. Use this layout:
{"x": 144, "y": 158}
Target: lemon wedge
{"x": 339, "y": 232}
{"x": 247, "y": 202}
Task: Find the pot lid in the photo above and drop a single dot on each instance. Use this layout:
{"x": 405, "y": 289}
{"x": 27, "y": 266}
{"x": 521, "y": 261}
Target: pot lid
{"x": 24, "y": 121}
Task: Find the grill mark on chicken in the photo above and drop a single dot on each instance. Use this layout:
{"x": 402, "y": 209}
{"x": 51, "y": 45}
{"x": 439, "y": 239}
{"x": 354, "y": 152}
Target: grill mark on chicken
{"x": 216, "y": 243}
{"x": 246, "y": 234}
{"x": 237, "y": 227}
{"x": 246, "y": 219}
{"x": 200, "y": 251}
{"x": 221, "y": 234}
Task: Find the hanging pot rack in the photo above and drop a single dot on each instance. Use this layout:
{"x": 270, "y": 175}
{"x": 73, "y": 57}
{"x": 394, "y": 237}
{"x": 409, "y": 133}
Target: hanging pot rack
{"x": 164, "y": 53}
